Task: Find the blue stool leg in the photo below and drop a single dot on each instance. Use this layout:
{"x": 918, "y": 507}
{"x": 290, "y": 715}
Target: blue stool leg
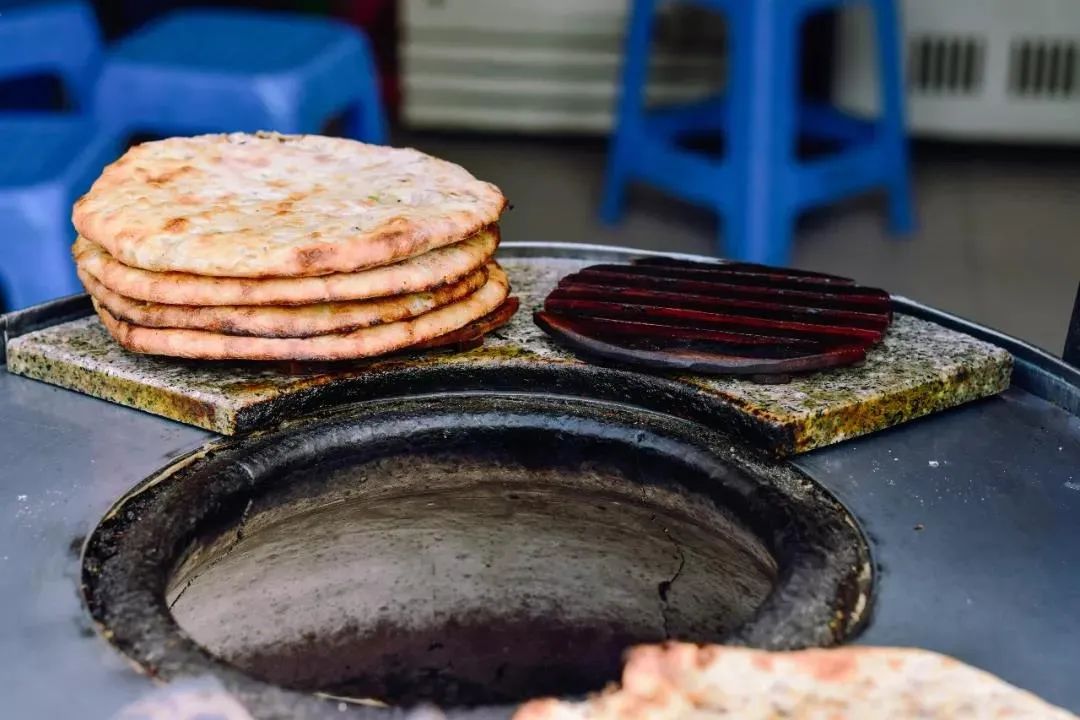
{"x": 630, "y": 110}
{"x": 366, "y": 119}
{"x": 37, "y": 256}
{"x": 893, "y": 125}
{"x": 81, "y": 86}
{"x": 53, "y": 281}
{"x": 290, "y": 121}
{"x": 760, "y": 223}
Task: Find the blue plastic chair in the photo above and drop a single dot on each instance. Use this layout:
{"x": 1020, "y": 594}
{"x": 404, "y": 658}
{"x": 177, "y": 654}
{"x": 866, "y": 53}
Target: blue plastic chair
{"x": 232, "y": 70}
{"x": 48, "y": 159}
{"x": 760, "y": 186}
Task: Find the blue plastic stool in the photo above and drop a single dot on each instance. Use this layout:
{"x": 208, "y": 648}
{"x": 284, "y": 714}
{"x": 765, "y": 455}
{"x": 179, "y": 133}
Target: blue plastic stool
{"x": 232, "y": 70}
{"x": 759, "y": 186}
{"x": 48, "y": 159}
{"x": 52, "y": 38}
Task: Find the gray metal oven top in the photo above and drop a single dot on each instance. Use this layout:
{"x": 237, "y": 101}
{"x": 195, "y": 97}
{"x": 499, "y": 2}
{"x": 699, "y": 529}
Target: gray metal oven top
{"x": 973, "y": 519}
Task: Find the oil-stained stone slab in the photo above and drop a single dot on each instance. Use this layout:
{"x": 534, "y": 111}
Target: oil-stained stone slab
{"x": 918, "y": 369}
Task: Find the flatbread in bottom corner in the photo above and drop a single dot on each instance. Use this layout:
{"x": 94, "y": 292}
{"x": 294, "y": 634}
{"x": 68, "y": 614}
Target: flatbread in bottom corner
{"x": 365, "y": 342}
{"x": 282, "y": 321}
{"x": 677, "y": 680}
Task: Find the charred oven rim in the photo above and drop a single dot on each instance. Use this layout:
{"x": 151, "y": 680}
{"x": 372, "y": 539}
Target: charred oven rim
{"x": 825, "y": 570}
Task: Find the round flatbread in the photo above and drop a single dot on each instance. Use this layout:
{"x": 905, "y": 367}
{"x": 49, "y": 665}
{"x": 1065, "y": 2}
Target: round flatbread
{"x": 423, "y": 272}
{"x": 366, "y": 342}
{"x": 269, "y": 205}
{"x": 848, "y": 683}
{"x": 282, "y": 321}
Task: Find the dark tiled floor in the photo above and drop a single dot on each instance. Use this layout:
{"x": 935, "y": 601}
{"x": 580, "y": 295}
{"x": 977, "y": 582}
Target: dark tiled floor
{"x": 997, "y": 239}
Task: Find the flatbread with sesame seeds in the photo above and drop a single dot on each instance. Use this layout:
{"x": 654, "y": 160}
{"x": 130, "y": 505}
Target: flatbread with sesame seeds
{"x": 268, "y": 205}
{"x": 683, "y": 681}
{"x": 425, "y": 272}
{"x": 282, "y": 320}
{"x": 365, "y": 342}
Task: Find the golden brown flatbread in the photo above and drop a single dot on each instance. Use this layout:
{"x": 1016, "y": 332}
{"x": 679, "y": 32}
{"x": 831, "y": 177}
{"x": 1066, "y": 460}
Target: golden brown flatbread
{"x": 423, "y": 272}
{"x": 269, "y": 205}
{"x": 665, "y": 682}
{"x": 473, "y": 334}
{"x": 365, "y": 342}
{"x": 282, "y": 321}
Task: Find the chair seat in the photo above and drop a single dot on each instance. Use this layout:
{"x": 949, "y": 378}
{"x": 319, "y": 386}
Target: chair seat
{"x": 233, "y": 70}
{"x": 233, "y": 43}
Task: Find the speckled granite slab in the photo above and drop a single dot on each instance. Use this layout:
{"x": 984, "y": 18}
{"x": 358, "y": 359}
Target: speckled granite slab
{"x": 920, "y": 368}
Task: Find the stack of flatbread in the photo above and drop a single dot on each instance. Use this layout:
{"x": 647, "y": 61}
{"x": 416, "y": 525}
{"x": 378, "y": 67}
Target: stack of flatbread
{"x": 688, "y": 682}
{"x": 289, "y": 247}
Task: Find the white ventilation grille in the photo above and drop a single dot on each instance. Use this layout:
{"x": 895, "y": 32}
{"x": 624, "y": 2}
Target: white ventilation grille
{"x": 984, "y": 70}
{"x": 1043, "y": 68}
{"x": 946, "y": 64}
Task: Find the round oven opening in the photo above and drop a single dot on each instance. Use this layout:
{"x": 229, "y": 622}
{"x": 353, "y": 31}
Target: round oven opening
{"x": 473, "y": 575}
{"x": 468, "y": 551}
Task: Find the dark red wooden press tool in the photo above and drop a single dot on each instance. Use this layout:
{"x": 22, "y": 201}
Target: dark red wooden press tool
{"x": 718, "y": 318}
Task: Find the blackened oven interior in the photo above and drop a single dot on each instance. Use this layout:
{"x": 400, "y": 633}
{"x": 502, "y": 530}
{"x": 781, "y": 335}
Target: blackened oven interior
{"x": 477, "y": 551}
